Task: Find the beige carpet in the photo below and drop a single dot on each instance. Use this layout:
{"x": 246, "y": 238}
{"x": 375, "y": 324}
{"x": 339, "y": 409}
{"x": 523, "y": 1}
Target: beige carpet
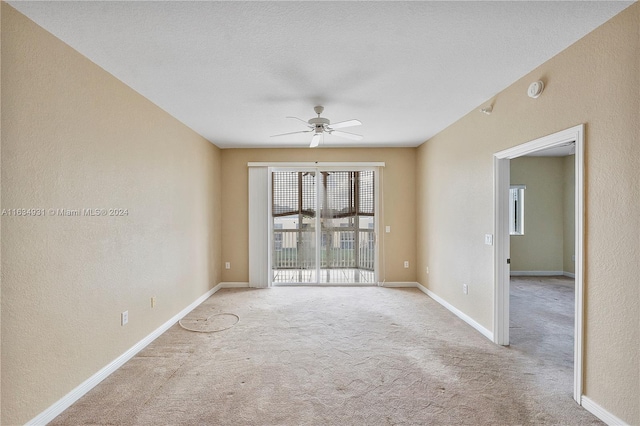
{"x": 329, "y": 356}
{"x": 542, "y": 321}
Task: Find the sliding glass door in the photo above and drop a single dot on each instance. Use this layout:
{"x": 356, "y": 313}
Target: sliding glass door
{"x": 323, "y": 227}
{"x": 294, "y": 213}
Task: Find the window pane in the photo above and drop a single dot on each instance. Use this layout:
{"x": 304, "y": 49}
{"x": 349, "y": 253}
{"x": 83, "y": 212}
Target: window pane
{"x": 516, "y": 210}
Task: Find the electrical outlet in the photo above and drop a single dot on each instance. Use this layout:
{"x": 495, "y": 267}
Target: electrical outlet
{"x": 124, "y": 318}
{"x": 153, "y": 302}
{"x": 406, "y": 264}
{"x": 488, "y": 239}
{"x": 427, "y": 270}
{"x": 387, "y": 229}
{"x": 227, "y": 265}
{"x": 465, "y": 289}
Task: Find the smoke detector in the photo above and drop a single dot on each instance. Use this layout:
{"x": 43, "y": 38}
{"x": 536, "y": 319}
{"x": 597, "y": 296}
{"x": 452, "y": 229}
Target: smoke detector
{"x": 535, "y": 89}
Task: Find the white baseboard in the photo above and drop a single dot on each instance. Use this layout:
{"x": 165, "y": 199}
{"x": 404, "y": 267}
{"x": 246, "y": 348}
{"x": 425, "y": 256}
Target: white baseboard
{"x": 464, "y": 317}
{"x": 600, "y": 412}
{"x": 233, "y": 284}
{"x": 65, "y": 402}
{"x": 542, "y": 274}
{"x": 536, "y": 273}
{"x": 399, "y": 284}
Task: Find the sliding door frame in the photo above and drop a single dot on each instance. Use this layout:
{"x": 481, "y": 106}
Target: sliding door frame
{"x": 319, "y": 167}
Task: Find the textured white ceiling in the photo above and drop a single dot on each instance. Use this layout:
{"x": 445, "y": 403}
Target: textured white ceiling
{"x": 232, "y": 71}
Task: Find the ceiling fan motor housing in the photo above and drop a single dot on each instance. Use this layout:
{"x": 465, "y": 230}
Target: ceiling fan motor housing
{"x": 319, "y": 124}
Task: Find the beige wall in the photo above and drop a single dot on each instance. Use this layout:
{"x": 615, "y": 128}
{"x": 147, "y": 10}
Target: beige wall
{"x": 569, "y": 212}
{"x": 541, "y": 248}
{"x": 596, "y": 81}
{"x": 74, "y": 137}
{"x": 0, "y": 230}
{"x": 399, "y": 203}
{"x": 0, "y": 223}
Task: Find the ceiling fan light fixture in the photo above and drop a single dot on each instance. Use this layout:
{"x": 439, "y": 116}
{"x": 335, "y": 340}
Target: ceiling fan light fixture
{"x": 321, "y": 125}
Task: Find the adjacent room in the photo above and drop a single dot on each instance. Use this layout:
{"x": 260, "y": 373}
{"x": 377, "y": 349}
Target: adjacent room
{"x": 320, "y": 212}
{"x": 542, "y": 252}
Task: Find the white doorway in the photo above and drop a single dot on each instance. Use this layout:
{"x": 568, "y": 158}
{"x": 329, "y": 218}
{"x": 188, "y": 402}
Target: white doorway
{"x": 575, "y": 136}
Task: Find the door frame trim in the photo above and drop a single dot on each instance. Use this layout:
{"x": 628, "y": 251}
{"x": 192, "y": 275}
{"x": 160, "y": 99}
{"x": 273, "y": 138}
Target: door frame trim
{"x": 303, "y": 164}
{"x": 501, "y": 175}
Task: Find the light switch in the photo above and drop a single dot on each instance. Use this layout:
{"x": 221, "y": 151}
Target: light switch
{"x": 488, "y": 239}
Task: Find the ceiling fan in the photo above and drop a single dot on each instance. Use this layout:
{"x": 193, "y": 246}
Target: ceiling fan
{"x": 320, "y": 125}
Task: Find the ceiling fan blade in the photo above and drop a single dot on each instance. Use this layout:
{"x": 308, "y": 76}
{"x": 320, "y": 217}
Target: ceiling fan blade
{"x": 347, "y": 123}
{"x": 315, "y": 140}
{"x": 347, "y": 135}
{"x": 304, "y": 121}
{"x": 291, "y": 133}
